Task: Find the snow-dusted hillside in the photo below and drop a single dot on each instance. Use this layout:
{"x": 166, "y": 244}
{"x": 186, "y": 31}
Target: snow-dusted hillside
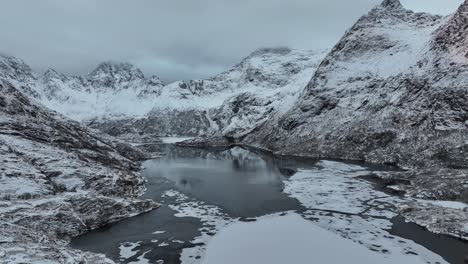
{"x": 112, "y": 90}
{"x": 59, "y": 179}
{"x": 387, "y": 93}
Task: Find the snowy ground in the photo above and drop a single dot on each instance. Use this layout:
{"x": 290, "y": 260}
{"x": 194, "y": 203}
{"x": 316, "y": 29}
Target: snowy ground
{"x": 173, "y": 140}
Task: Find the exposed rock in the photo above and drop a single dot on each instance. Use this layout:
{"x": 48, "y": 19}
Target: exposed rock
{"x": 432, "y": 184}
{"x": 23, "y": 245}
{"x": 437, "y": 219}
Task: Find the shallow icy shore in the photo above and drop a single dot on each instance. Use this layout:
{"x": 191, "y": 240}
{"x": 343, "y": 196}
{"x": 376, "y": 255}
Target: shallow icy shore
{"x": 426, "y": 185}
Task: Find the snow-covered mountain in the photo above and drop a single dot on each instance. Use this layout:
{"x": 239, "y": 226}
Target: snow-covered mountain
{"x": 20, "y": 74}
{"x": 117, "y": 98}
{"x": 393, "y": 90}
{"x": 233, "y": 102}
{"x": 112, "y": 90}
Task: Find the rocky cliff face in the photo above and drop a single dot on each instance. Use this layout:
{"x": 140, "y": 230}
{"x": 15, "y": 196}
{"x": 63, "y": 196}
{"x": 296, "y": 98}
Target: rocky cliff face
{"x": 59, "y": 179}
{"x": 384, "y": 94}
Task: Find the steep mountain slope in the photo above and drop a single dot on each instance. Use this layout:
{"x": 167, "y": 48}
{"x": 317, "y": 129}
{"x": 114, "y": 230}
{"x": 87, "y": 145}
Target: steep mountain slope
{"x": 57, "y": 180}
{"x": 19, "y": 73}
{"x": 111, "y": 90}
{"x": 385, "y": 93}
{"x": 232, "y": 103}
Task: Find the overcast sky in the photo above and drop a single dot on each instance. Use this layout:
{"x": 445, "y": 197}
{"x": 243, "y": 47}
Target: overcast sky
{"x": 174, "y": 39}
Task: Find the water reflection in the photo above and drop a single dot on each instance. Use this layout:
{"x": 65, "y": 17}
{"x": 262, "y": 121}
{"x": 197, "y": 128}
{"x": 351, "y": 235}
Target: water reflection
{"x": 238, "y": 181}
{"x": 242, "y": 184}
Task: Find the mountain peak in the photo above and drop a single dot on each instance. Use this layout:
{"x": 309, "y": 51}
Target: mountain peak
{"x": 274, "y": 50}
{"x": 391, "y": 4}
{"x": 112, "y": 67}
{"x": 110, "y": 73}
{"x": 15, "y": 68}
{"x": 52, "y": 73}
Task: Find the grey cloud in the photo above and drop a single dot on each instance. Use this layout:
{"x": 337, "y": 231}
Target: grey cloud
{"x": 175, "y": 39}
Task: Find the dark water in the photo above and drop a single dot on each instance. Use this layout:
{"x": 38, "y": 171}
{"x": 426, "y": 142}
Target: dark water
{"x": 451, "y": 249}
{"x": 244, "y": 185}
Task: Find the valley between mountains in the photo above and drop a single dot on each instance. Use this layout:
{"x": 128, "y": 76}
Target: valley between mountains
{"x": 392, "y": 93}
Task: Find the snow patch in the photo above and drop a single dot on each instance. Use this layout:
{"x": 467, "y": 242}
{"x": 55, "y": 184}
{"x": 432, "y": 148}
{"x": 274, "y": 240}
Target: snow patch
{"x": 447, "y": 204}
{"x": 173, "y": 140}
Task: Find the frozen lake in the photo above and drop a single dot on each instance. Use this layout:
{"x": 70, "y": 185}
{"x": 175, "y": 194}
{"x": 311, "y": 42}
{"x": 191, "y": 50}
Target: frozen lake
{"x": 235, "y": 206}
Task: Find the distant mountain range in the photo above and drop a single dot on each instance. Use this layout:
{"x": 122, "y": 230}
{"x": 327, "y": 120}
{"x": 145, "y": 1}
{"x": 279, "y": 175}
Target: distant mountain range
{"x": 117, "y": 98}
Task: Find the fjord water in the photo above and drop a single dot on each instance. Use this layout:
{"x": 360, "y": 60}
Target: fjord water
{"x": 204, "y": 192}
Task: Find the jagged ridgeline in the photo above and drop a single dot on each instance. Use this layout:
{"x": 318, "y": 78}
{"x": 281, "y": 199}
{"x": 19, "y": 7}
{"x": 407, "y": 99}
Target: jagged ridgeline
{"x": 118, "y": 99}
{"x": 393, "y": 90}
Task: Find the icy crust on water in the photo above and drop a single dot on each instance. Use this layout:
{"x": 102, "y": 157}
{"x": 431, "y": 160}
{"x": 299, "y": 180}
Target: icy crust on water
{"x": 269, "y": 238}
{"x": 212, "y": 218}
{"x": 339, "y": 201}
{"x": 340, "y": 207}
{"x": 334, "y": 186}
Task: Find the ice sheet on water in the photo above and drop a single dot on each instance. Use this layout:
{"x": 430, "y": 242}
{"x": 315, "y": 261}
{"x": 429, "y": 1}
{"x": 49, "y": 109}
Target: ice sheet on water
{"x": 268, "y": 239}
{"x": 127, "y": 250}
{"x": 339, "y": 201}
